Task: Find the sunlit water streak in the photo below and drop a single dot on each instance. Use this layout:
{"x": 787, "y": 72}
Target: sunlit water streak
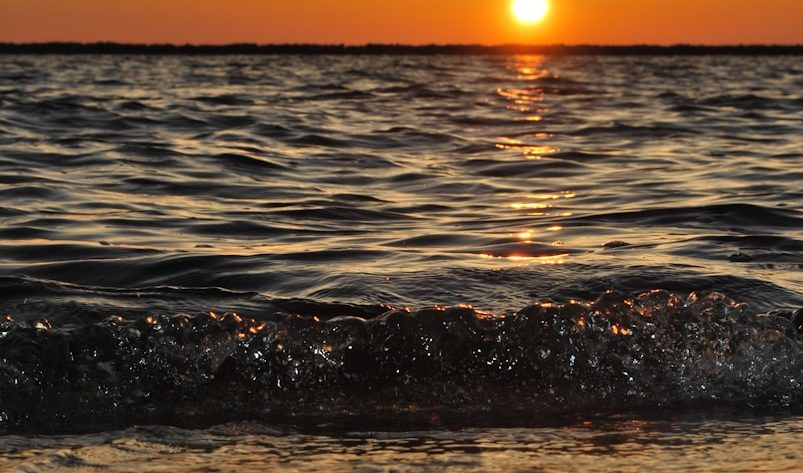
{"x": 161, "y": 185}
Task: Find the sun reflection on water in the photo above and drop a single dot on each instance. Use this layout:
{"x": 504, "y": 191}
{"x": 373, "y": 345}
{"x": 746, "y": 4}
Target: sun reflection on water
{"x": 526, "y": 236}
{"x": 553, "y": 196}
{"x": 547, "y": 260}
{"x": 529, "y": 151}
{"x": 528, "y": 206}
{"x": 527, "y": 99}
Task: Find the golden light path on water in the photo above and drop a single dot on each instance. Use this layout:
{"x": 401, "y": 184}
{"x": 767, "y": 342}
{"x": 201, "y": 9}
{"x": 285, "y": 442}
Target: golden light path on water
{"x": 528, "y": 102}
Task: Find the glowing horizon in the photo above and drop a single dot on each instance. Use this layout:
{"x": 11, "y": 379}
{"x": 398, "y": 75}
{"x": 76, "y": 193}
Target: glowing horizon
{"x": 354, "y": 22}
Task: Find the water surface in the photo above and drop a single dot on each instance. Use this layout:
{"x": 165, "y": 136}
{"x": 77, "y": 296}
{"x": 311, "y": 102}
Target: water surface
{"x": 409, "y": 181}
{"x": 611, "y": 234}
{"x": 689, "y": 443}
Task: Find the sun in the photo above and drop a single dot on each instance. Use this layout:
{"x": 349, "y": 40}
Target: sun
{"x": 530, "y": 11}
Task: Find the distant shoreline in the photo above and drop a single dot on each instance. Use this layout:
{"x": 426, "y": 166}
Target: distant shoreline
{"x": 395, "y": 49}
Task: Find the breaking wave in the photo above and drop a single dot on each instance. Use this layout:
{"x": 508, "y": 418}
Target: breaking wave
{"x": 616, "y": 353}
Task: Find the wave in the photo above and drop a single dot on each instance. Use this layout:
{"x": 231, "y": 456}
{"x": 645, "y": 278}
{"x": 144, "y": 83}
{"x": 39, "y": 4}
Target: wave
{"x": 616, "y": 353}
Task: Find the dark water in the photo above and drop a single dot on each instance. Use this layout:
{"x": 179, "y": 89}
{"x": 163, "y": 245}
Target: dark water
{"x": 331, "y": 202}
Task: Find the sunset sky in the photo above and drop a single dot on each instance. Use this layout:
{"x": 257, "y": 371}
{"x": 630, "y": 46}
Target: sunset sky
{"x": 401, "y": 21}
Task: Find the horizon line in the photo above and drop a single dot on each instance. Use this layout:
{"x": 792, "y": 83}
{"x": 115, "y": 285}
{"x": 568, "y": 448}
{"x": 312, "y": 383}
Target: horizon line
{"x": 111, "y": 47}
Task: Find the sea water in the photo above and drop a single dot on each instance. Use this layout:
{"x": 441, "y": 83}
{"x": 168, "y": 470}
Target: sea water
{"x": 388, "y": 263}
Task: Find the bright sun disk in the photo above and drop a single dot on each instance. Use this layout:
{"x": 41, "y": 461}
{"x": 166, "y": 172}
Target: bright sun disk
{"x": 530, "y": 11}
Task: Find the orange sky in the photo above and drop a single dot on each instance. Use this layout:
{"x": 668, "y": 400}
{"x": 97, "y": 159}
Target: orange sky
{"x": 401, "y": 21}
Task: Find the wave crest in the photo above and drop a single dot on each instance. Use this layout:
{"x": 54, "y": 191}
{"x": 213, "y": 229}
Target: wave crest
{"x": 617, "y": 352}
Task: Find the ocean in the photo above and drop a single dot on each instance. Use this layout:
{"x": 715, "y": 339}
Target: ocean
{"x": 401, "y": 262}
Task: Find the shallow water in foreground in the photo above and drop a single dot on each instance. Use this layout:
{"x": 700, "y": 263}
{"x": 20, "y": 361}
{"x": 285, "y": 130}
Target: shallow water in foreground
{"x": 686, "y": 443}
{"x": 197, "y": 240}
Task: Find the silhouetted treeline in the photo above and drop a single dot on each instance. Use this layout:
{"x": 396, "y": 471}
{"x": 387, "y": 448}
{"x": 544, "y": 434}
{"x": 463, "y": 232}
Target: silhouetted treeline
{"x": 393, "y": 49}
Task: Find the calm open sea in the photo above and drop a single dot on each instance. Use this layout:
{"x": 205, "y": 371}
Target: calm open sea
{"x": 395, "y": 263}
